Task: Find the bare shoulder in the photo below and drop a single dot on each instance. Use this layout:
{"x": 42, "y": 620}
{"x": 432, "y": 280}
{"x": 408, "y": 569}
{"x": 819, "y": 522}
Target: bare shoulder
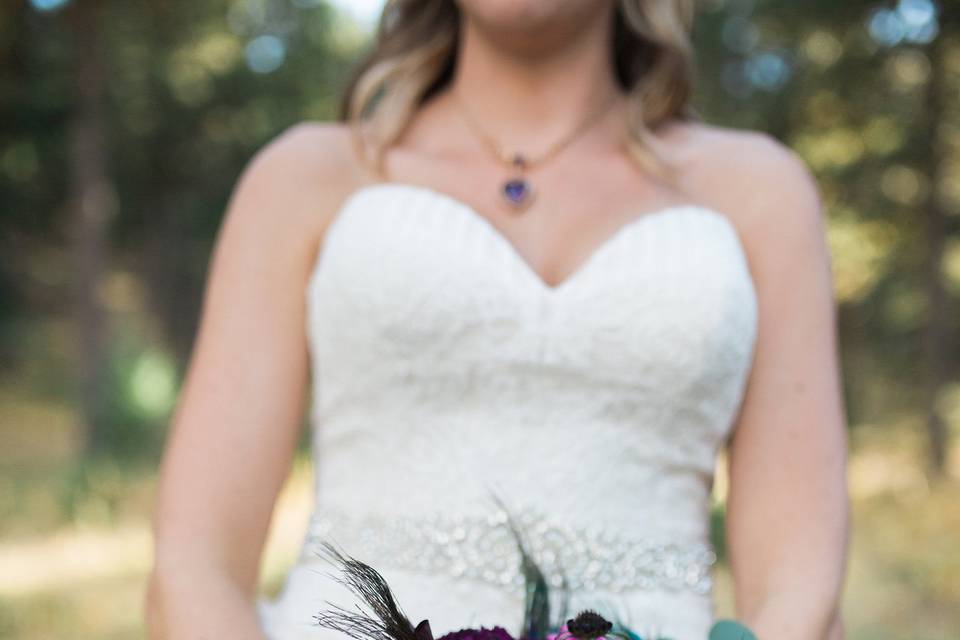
{"x": 307, "y": 166}
{"x": 292, "y": 187}
{"x": 286, "y": 195}
{"x": 766, "y": 188}
{"x": 323, "y": 147}
{"x": 751, "y": 174}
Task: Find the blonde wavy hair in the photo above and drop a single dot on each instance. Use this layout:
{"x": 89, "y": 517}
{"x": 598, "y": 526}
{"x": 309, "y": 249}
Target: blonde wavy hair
{"x": 414, "y": 52}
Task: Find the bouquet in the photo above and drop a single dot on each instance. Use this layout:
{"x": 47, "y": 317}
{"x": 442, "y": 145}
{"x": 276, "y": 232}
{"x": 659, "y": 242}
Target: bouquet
{"x": 389, "y": 622}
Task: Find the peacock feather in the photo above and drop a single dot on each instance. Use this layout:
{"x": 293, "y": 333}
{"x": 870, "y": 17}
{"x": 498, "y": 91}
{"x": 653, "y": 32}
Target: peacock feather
{"x": 389, "y": 622}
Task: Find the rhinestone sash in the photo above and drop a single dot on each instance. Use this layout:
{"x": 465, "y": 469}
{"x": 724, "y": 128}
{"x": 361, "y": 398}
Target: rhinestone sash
{"x": 482, "y": 548}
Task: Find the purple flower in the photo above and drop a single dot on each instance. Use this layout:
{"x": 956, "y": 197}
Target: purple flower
{"x": 483, "y": 633}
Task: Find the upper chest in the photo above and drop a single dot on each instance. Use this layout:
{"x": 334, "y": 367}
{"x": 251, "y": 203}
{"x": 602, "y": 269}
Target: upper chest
{"x": 576, "y": 206}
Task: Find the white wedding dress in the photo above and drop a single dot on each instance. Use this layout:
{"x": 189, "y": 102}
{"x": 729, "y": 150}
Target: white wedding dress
{"x": 445, "y": 369}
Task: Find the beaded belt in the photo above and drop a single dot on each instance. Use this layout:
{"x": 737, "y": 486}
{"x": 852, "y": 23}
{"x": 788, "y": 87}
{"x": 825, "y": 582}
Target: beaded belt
{"x": 484, "y": 548}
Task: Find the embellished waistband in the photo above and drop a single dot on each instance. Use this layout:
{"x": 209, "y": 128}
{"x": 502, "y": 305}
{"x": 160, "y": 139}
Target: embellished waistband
{"x": 483, "y": 548}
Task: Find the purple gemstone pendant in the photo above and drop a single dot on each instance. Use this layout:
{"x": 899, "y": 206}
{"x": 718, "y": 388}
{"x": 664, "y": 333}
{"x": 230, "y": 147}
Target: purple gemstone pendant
{"x": 517, "y": 192}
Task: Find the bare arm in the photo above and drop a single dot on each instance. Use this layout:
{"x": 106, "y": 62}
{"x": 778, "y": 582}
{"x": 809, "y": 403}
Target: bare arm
{"x": 237, "y": 421}
{"x": 788, "y": 510}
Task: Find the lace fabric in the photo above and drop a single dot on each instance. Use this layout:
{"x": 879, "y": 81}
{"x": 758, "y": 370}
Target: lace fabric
{"x": 444, "y": 367}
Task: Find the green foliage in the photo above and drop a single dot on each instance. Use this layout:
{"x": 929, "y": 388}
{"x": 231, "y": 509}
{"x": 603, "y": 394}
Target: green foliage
{"x": 141, "y": 383}
{"x": 185, "y": 113}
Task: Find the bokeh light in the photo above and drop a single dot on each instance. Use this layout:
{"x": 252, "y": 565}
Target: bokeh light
{"x": 153, "y": 384}
{"x": 912, "y": 21}
{"x": 364, "y": 12}
{"x": 767, "y": 70}
{"x": 48, "y": 5}
{"x": 265, "y": 54}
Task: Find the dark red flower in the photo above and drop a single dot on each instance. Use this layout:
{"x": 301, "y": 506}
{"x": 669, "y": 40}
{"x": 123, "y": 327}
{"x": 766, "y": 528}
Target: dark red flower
{"x": 483, "y": 633}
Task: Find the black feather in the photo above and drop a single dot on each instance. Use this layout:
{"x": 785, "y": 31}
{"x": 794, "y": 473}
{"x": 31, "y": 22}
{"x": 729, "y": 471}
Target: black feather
{"x": 389, "y": 623}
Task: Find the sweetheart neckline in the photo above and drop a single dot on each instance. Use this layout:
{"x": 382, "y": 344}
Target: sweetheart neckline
{"x": 531, "y": 274}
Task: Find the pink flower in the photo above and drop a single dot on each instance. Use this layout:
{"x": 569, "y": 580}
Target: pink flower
{"x": 563, "y": 630}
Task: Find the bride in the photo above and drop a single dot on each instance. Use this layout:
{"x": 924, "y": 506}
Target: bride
{"x": 520, "y": 263}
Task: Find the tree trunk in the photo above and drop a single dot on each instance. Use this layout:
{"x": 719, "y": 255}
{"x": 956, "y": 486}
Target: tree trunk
{"x": 91, "y": 199}
{"x": 936, "y": 336}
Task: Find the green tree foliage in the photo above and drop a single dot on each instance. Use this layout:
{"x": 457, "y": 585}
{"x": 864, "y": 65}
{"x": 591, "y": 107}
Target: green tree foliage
{"x": 190, "y": 91}
{"x": 867, "y": 92}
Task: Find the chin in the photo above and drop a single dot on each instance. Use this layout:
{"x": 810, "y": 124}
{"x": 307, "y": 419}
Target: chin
{"x": 531, "y": 15}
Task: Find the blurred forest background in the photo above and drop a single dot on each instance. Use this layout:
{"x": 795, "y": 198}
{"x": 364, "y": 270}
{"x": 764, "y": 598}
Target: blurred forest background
{"x": 124, "y": 124}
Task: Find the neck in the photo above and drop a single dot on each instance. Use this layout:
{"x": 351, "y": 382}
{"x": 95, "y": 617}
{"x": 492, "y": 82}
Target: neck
{"x": 530, "y": 93}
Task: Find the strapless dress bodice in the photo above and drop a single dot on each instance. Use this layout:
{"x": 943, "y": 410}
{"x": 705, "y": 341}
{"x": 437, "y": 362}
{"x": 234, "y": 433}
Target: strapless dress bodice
{"x": 445, "y": 368}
